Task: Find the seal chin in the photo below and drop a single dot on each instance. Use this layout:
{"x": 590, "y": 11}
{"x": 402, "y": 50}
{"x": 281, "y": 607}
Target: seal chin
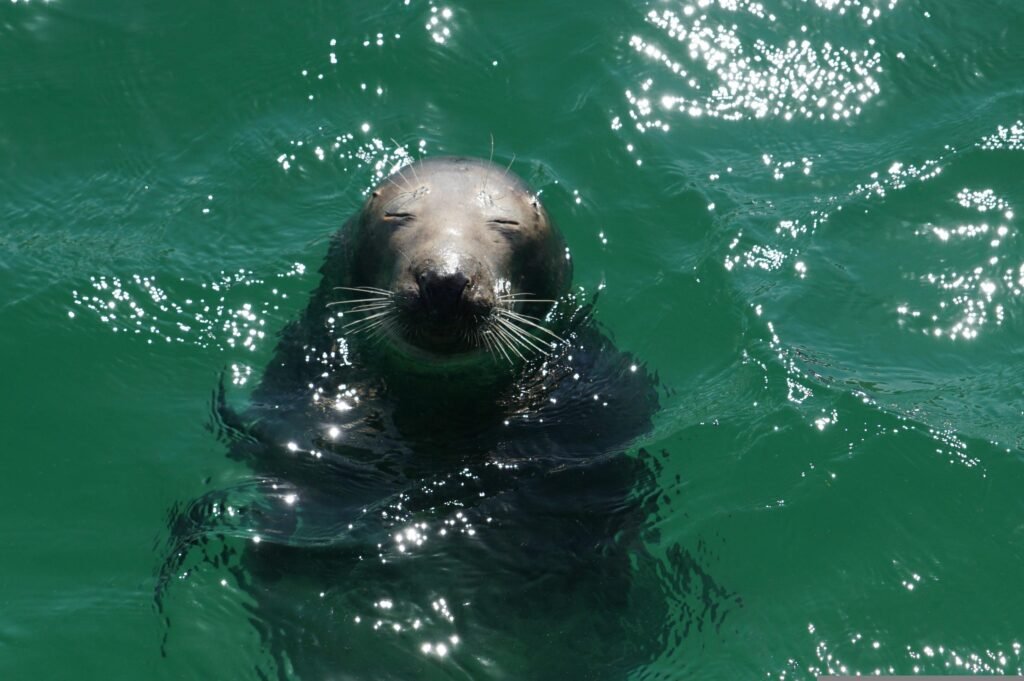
{"x": 422, "y": 354}
{"x": 444, "y": 340}
{"x": 443, "y": 335}
{"x": 438, "y": 343}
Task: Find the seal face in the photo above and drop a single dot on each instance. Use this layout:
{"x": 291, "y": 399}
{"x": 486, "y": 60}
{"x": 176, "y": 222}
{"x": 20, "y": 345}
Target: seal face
{"x": 453, "y": 256}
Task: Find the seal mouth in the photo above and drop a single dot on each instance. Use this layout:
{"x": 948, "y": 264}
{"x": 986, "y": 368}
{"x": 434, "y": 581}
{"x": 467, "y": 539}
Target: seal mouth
{"x": 409, "y": 320}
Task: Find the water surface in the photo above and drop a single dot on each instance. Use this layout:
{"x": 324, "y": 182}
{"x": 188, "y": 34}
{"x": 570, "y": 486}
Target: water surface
{"x": 805, "y": 215}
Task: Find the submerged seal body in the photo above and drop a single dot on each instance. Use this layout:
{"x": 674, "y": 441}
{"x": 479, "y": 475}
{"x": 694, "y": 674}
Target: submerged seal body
{"x": 437, "y": 454}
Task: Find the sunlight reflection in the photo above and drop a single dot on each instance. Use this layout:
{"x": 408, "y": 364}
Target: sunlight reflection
{"x": 382, "y": 159}
{"x": 439, "y": 25}
{"x": 184, "y": 313}
{"x": 979, "y": 293}
{"x": 829, "y": 656}
{"x": 1009, "y": 137}
{"x": 724, "y": 75}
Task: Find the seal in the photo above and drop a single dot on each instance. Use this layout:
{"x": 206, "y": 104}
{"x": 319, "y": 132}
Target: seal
{"x": 438, "y": 447}
{"x": 455, "y": 256}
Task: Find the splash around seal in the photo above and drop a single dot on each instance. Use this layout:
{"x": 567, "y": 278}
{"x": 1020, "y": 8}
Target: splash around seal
{"x": 451, "y": 259}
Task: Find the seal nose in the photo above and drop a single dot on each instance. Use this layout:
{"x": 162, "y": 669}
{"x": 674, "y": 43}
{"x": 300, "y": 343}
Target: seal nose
{"x": 442, "y": 294}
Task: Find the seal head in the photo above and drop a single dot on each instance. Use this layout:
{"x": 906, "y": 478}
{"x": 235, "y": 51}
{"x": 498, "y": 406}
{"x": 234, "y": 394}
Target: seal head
{"x": 453, "y": 257}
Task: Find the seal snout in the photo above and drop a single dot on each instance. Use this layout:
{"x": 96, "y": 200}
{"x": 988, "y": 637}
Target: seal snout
{"x": 450, "y": 294}
{"x": 442, "y": 294}
{"x": 444, "y": 304}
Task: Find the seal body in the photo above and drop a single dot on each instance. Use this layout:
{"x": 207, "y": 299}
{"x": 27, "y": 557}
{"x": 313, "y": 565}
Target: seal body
{"x": 437, "y": 454}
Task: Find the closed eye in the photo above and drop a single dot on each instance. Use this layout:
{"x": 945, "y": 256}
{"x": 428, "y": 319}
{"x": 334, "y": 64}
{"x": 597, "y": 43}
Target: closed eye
{"x": 507, "y": 228}
{"x": 398, "y": 216}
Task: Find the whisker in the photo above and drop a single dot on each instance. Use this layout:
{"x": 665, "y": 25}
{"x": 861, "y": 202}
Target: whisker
{"x": 523, "y": 294}
{"x": 368, "y": 318}
{"x": 379, "y": 302}
{"x": 365, "y": 289}
{"x": 541, "y": 345}
{"x": 522, "y": 315}
{"x": 483, "y": 188}
{"x": 481, "y": 340}
{"x": 509, "y": 342}
{"x": 499, "y": 345}
{"x": 385, "y": 326}
{"x": 369, "y": 327}
{"x": 380, "y": 299}
{"x": 524, "y": 337}
{"x": 525, "y": 319}
{"x": 405, "y": 188}
{"x": 376, "y": 327}
{"x": 474, "y": 339}
{"x": 370, "y": 307}
{"x": 404, "y": 155}
{"x": 363, "y": 300}
{"x": 516, "y": 299}
{"x": 489, "y": 344}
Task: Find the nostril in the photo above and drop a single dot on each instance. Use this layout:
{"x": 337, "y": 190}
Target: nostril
{"x": 442, "y": 293}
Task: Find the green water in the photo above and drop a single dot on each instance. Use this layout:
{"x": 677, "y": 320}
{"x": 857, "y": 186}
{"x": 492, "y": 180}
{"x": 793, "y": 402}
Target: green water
{"x": 804, "y": 213}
